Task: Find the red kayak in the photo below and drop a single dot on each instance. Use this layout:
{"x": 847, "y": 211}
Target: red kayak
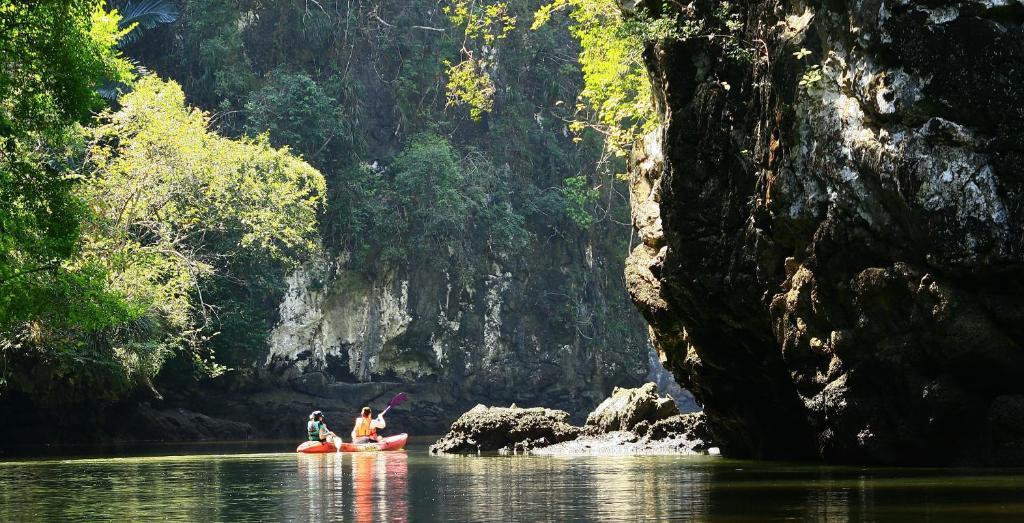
{"x": 396, "y": 442}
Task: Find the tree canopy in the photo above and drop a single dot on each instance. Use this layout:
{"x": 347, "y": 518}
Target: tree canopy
{"x": 53, "y": 54}
{"x": 114, "y": 231}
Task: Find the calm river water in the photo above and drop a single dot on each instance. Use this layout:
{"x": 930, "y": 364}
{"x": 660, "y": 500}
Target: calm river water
{"x": 230, "y": 483}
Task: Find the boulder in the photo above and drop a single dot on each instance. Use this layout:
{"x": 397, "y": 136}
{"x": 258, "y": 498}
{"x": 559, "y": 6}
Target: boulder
{"x": 626, "y": 408}
{"x": 692, "y": 427}
{"x": 488, "y": 429}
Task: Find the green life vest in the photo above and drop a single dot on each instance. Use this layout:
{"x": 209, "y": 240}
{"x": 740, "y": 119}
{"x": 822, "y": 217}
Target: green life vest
{"x": 313, "y": 430}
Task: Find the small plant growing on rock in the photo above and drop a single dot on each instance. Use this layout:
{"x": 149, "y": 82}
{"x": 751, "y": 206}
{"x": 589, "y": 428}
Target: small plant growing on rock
{"x": 811, "y": 78}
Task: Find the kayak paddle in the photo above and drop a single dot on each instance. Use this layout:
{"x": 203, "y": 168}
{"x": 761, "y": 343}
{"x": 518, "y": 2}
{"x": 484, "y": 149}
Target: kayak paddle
{"x": 396, "y": 401}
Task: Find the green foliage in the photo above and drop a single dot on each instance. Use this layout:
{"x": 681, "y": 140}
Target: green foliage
{"x": 579, "y": 198}
{"x": 150, "y": 244}
{"x": 411, "y": 184}
{"x": 197, "y": 181}
{"x": 136, "y": 16}
{"x": 470, "y": 84}
{"x": 811, "y": 78}
{"x": 431, "y": 197}
{"x": 53, "y": 54}
{"x": 143, "y": 14}
{"x": 174, "y": 211}
{"x": 480, "y": 20}
{"x": 483, "y": 25}
{"x": 172, "y": 200}
{"x": 298, "y": 113}
{"x": 497, "y": 218}
{"x": 428, "y": 207}
{"x": 213, "y": 44}
{"x": 616, "y": 98}
{"x": 356, "y": 210}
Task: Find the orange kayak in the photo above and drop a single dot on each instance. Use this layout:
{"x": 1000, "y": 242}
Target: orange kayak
{"x": 396, "y": 442}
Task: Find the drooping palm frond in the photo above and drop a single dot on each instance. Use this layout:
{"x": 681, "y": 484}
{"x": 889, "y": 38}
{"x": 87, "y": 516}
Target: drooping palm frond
{"x": 111, "y": 90}
{"x": 147, "y": 14}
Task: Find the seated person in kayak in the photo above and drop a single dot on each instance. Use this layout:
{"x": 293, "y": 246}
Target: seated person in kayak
{"x": 365, "y": 430}
{"x": 317, "y": 430}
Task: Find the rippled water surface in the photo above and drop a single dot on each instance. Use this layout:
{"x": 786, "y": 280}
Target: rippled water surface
{"x": 223, "y": 485}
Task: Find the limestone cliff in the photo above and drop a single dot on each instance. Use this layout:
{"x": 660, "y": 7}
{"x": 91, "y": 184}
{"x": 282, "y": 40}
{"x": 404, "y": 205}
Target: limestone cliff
{"x": 833, "y": 236}
{"x": 503, "y": 337}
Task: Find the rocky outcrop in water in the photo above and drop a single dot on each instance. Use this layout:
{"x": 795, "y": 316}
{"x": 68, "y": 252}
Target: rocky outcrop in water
{"x": 630, "y": 421}
{"x": 832, "y": 255}
{"x": 679, "y": 434}
{"x": 627, "y": 408}
{"x": 691, "y": 427}
{"x": 489, "y": 429}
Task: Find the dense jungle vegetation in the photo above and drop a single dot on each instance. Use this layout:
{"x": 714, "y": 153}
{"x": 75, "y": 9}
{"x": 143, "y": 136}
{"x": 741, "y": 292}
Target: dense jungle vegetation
{"x": 164, "y": 164}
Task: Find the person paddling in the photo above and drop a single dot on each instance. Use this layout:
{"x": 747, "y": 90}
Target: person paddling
{"x": 365, "y": 430}
{"x": 317, "y": 430}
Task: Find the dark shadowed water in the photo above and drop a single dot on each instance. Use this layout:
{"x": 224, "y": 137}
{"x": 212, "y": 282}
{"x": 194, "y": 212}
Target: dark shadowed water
{"x": 215, "y": 483}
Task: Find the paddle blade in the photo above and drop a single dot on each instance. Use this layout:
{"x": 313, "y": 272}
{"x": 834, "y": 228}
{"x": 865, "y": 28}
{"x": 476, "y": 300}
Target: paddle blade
{"x": 398, "y": 399}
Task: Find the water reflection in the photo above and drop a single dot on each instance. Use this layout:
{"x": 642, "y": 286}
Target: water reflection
{"x": 364, "y": 486}
{"x": 380, "y": 486}
{"x": 418, "y": 487}
{"x": 613, "y": 488}
{"x": 627, "y": 489}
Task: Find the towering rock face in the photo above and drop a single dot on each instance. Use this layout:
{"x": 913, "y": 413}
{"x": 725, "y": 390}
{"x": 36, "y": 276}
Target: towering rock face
{"x": 833, "y": 230}
{"x": 541, "y": 335}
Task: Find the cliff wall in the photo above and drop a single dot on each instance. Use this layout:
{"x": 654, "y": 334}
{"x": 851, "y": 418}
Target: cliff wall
{"x": 833, "y": 251}
{"x": 504, "y": 337}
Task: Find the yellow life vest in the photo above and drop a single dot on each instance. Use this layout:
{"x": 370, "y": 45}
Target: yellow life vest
{"x": 365, "y": 428}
